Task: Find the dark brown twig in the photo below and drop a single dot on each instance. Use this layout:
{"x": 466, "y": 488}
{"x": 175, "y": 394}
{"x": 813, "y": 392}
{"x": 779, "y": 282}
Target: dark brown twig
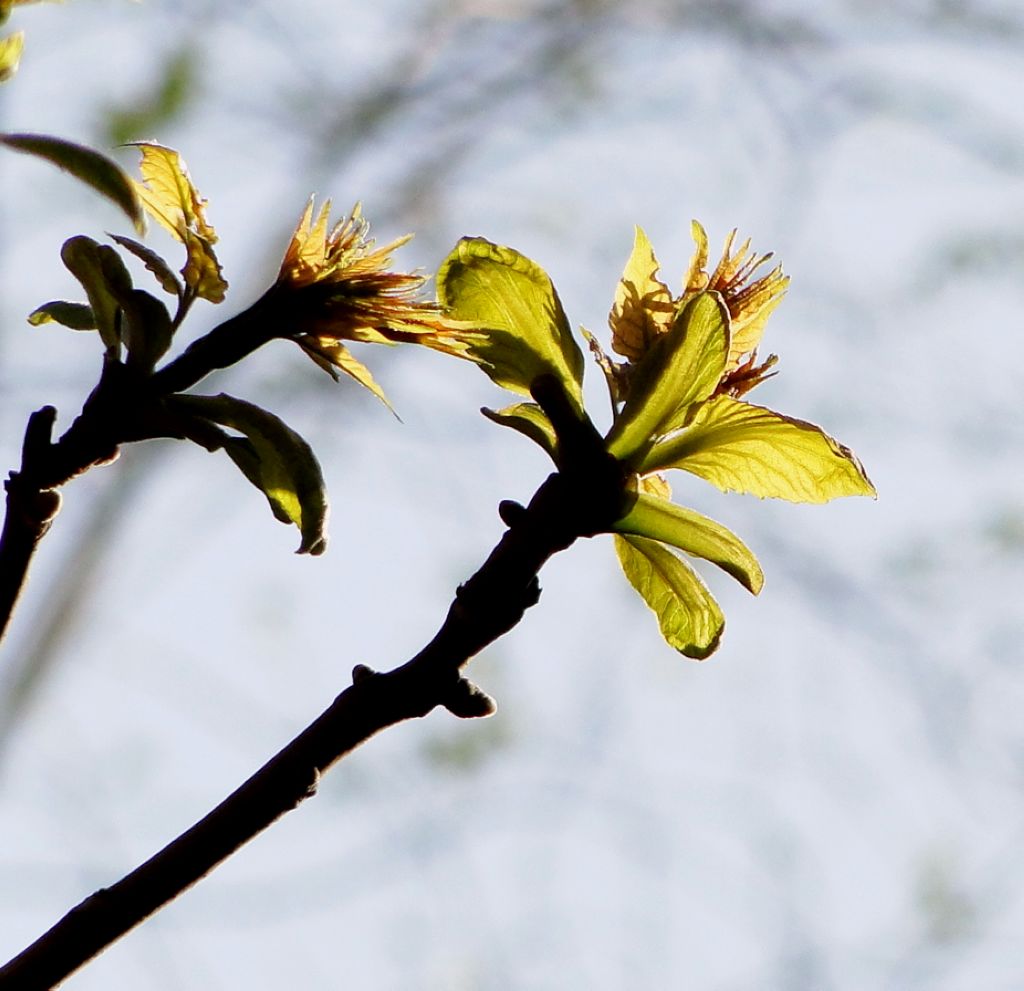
{"x": 583, "y": 498}
{"x": 30, "y": 511}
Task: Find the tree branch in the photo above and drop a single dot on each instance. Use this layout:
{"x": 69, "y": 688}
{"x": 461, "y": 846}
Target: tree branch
{"x": 583, "y": 498}
{"x": 126, "y": 405}
{"x": 30, "y": 511}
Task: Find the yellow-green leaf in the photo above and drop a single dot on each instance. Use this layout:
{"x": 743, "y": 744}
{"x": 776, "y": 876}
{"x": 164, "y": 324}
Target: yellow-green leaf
{"x": 168, "y": 194}
{"x": 745, "y": 448}
{"x": 681, "y": 368}
{"x": 275, "y": 459}
{"x": 10, "y": 54}
{"x": 531, "y": 421}
{"x": 525, "y": 331}
{"x": 643, "y": 307}
{"x": 77, "y": 316}
{"x": 92, "y": 168}
{"x": 693, "y": 533}
{"x": 689, "y": 618}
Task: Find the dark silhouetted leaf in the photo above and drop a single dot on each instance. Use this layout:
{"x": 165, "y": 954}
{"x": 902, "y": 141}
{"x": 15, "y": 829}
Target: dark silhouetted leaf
{"x": 92, "y": 168}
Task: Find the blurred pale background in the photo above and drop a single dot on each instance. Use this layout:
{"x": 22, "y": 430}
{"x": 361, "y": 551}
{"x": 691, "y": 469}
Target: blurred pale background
{"x": 834, "y": 801}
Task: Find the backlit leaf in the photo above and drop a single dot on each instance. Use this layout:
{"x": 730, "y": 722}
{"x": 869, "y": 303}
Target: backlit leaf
{"x": 169, "y": 196}
{"x": 169, "y": 282}
{"x": 92, "y": 168}
{"x": 693, "y": 533}
{"x": 77, "y": 316}
{"x": 333, "y": 356}
{"x": 531, "y": 421}
{"x": 745, "y": 448}
{"x": 688, "y": 615}
{"x": 643, "y": 307}
{"x": 307, "y": 251}
{"x": 10, "y": 54}
{"x": 275, "y": 459}
{"x": 525, "y": 331}
{"x": 681, "y": 368}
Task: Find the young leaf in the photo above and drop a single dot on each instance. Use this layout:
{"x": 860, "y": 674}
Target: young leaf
{"x": 120, "y": 312}
{"x": 333, "y": 356}
{"x": 146, "y": 328}
{"x": 531, "y": 421}
{"x": 745, "y": 448}
{"x": 10, "y": 54}
{"x": 681, "y": 368}
{"x": 525, "y": 331}
{"x": 170, "y": 197}
{"x": 688, "y": 615}
{"x": 94, "y": 169}
{"x": 93, "y": 267}
{"x": 275, "y": 459}
{"x": 169, "y": 282}
{"x": 643, "y": 307}
{"x": 77, "y": 316}
{"x": 693, "y": 533}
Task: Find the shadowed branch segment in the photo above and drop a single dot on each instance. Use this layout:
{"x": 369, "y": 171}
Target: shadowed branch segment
{"x": 581, "y": 500}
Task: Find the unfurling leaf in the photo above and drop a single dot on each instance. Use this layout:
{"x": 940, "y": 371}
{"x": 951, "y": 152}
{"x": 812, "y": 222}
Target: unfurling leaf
{"x": 333, "y": 356}
{"x": 694, "y": 534}
{"x": 77, "y": 316}
{"x": 92, "y": 168}
{"x": 531, "y": 421}
{"x": 146, "y": 328}
{"x": 681, "y": 368}
{"x": 306, "y": 258}
{"x": 745, "y": 448}
{"x": 688, "y": 615}
{"x": 275, "y": 459}
{"x": 10, "y": 54}
{"x": 643, "y": 307}
{"x": 169, "y": 282}
{"x": 103, "y": 277}
{"x": 524, "y": 331}
{"x": 169, "y": 196}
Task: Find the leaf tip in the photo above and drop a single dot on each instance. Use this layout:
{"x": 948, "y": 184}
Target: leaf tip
{"x": 313, "y": 547}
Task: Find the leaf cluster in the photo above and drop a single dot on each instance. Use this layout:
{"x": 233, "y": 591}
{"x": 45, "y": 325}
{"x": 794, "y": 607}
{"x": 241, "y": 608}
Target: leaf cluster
{"x": 678, "y": 400}
{"x": 676, "y": 403}
{"x": 137, "y": 330}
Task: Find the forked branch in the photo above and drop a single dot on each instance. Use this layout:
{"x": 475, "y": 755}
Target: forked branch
{"x": 582, "y": 499}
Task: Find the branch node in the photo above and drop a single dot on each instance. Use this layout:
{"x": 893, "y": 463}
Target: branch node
{"x": 361, "y": 673}
{"x": 469, "y": 701}
{"x": 38, "y": 435}
{"x": 511, "y": 512}
{"x": 313, "y": 785}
